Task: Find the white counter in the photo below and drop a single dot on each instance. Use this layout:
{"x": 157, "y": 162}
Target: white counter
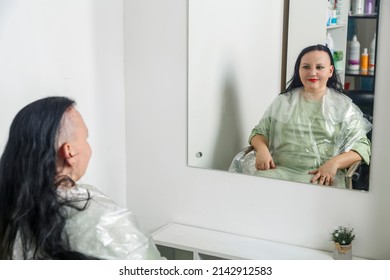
{"x": 224, "y": 245}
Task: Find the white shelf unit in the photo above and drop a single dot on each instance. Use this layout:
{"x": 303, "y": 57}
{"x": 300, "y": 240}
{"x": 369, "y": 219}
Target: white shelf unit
{"x": 339, "y": 35}
{"x": 210, "y": 244}
{"x": 336, "y": 26}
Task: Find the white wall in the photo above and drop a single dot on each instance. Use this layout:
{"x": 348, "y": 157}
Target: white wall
{"x": 72, "y": 48}
{"x": 161, "y": 188}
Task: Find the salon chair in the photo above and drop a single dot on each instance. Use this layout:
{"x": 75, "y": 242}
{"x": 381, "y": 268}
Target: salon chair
{"x": 357, "y": 176}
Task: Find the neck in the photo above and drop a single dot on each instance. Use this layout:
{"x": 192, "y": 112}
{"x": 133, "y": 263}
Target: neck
{"x": 64, "y": 182}
{"x": 313, "y": 95}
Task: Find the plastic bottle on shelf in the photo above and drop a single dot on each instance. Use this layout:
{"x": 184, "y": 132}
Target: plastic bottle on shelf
{"x": 369, "y": 7}
{"x": 364, "y": 60}
{"x": 358, "y": 7}
{"x": 354, "y": 54}
{"x": 333, "y": 20}
{"x": 371, "y": 64}
{"x": 330, "y": 12}
{"x": 330, "y": 42}
{"x": 339, "y": 5}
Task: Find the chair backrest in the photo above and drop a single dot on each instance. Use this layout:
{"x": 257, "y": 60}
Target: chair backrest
{"x": 365, "y": 101}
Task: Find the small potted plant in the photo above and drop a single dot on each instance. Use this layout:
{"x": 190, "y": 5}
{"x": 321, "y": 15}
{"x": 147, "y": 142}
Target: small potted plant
{"x": 342, "y": 238}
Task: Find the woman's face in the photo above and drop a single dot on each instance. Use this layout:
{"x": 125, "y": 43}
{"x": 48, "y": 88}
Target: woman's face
{"x": 75, "y": 147}
{"x": 83, "y": 149}
{"x": 315, "y": 70}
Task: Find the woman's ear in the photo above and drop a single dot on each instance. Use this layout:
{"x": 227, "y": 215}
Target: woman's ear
{"x": 65, "y": 152}
{"x": 331, "y": 71}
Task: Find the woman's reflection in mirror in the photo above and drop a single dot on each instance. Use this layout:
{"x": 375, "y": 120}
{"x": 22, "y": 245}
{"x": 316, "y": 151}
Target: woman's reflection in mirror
{"x": 311, "y": 132}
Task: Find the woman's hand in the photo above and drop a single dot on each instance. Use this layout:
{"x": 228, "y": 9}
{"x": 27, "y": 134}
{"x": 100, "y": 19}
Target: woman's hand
{"x": 325, "y": 174}
{"x": 264, "y": 160}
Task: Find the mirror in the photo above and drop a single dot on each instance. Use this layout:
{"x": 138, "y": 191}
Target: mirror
{"x": 238, "y": 60}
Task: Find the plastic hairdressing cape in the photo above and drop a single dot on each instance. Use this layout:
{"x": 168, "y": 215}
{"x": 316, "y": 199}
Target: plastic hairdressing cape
{"x": 103, "y": 230}
{"x": 303, "y": 134}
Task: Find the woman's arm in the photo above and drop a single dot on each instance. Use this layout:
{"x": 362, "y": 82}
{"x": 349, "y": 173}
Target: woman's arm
{"x": 264, "y": 159}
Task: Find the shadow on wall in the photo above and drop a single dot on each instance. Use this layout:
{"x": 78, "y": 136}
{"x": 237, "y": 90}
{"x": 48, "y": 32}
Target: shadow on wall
{"x": 230, "y": 131}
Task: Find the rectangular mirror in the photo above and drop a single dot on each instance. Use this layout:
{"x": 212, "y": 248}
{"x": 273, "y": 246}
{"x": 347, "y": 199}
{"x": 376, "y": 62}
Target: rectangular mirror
{"x": 239, "y": 60}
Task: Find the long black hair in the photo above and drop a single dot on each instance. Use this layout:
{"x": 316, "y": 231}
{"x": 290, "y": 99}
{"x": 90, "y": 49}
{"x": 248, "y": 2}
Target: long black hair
{"x": 29, "y": 204}
{"x": 333, "y": 82}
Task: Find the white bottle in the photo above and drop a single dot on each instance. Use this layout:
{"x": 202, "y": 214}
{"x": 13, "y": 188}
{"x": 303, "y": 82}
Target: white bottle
{"x": 358, "y": 7}
{"x": 354, "y": 54}
{"x": 371, "y": 63}
{"x": 330, "y": 42}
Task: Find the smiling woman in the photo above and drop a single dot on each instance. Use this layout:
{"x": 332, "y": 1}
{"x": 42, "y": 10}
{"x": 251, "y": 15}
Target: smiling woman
{"x": 312, "y": 132}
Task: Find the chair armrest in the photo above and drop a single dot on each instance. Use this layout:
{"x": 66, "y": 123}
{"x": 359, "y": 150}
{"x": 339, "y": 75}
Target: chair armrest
{"x": 247, "y": 150}
{"x": 352, "y": 174}
{"x": 241, "y": 160}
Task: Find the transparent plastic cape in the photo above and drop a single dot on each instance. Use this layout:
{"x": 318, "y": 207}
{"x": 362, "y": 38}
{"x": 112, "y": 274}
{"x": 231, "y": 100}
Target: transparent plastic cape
{"x": 304, "y": 134}
{"x": 103, "y": 230}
